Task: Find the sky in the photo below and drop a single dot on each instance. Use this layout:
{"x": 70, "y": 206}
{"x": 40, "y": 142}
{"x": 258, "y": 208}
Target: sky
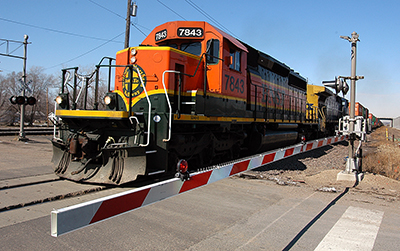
{"x": 305, "y": 35}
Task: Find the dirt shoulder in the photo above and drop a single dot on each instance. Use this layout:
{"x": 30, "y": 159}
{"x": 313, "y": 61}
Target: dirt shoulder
{"x": 318, "y": 169}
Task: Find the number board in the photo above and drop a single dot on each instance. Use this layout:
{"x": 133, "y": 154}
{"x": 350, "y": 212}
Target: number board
{"x": 161, "y": 35}
{"x": 190, "y": 32}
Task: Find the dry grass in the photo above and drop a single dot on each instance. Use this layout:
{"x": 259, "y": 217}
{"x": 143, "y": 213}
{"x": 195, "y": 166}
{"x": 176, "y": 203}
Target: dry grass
{"x": 382, "y": 156}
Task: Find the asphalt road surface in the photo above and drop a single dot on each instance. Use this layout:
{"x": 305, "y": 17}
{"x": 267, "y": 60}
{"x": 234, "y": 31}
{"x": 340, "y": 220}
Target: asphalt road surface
{"x": 231, "y": 214}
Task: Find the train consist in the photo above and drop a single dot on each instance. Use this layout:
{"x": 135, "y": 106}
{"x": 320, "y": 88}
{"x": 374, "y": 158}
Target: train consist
{"x": 189, "y": 96}
{"x": 372, "y": 121}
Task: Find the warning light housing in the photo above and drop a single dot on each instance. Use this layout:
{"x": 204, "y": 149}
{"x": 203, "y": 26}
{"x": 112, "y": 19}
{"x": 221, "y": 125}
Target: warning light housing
{"x": 31, "y": 100}
{"x": 182, "y": 170}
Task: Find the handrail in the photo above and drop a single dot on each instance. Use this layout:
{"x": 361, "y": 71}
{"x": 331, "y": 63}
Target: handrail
{"x": 81, "y": 78}
{"x": 148, "y": 101}
{"x": 169, "y": 104}
{"x": 65, "y": 79}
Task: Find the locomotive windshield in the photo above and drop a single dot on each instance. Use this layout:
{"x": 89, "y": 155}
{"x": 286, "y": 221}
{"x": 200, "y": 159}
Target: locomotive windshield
{"x": 192, "y": 48}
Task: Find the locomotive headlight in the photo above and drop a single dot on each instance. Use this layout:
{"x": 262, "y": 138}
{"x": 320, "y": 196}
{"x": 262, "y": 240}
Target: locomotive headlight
{"x": 107, "y": 100}
{"x": 62, "y": 100}
{"x": 110, "y": 100}
{"x": 59, "y": 100}
{"x": 133, "y": 54}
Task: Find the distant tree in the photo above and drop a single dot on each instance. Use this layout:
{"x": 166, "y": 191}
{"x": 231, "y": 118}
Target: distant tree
{"x": 42, "y": 88}
{"x": 45, "y": 88}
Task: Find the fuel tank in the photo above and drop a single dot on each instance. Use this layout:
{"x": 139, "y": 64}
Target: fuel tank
{"x": 261, "y": 142}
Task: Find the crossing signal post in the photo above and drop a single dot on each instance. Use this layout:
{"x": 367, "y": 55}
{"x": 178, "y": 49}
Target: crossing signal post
{"x": 353, "y": 164}
{"x": 22, "y": 120}
{"x": 20, "y": 98}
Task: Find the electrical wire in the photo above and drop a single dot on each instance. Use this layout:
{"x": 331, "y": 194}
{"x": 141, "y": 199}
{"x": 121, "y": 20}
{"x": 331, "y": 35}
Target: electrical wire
{"x": 171, "y": 9}
{"x": 136, "y": 26}
{"x": 108, "y": 41}
{"x": 209, "y": 17}
{"x": 93, "y": 2}
{"x": 87, "y": 51}
{"x": 54, "y": 30}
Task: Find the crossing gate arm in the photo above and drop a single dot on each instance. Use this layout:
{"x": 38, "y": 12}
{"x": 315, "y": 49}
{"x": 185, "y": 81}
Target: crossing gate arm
{"x": 78, "y": 216}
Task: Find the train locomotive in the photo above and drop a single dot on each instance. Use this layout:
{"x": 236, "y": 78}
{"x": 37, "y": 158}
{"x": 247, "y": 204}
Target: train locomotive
{"x": 189, "y": 96}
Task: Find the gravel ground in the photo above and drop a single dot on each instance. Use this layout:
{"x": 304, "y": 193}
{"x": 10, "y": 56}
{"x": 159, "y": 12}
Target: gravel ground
{"x": 299, "y": 169}
{"x": 318, "y": 170}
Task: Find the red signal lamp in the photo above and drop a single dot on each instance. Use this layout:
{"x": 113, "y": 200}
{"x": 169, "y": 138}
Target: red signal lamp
{"x": 31, "y": 101}
{"x": 183, "y": 166}
{"x": 20, "y": 100}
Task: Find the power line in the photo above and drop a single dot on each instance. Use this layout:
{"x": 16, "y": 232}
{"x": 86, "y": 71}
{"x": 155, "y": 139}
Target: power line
{"x": 209, "y": 17}
{"x": 86, "y": 52}
{"x": 93, "y": 2}
{"x": 171, "y": 9}
{"x": 54, "y": 30}
{"x": 136, "y": 26}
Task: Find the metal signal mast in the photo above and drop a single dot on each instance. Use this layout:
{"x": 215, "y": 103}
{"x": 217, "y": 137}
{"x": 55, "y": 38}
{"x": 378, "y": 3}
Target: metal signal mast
{"x": 24, "y": 84}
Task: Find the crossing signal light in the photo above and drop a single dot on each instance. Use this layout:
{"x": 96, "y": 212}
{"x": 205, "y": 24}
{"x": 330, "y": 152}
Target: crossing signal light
{"x": 13, "y": 100}
{"x": 31, "y": 101}
{"x": 21, "y": 100}
{"x": 17, "y": 100}
{"x": 338, "y": 85}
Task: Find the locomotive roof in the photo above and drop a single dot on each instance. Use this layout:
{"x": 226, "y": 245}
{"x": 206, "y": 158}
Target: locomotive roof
{"x": 173, "y": 26}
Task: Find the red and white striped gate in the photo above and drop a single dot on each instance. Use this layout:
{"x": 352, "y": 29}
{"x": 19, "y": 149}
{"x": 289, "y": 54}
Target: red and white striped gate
{"x": 78, "y": 216}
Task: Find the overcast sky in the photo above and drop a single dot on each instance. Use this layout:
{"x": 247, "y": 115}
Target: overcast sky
{"x": 304, "y": 35}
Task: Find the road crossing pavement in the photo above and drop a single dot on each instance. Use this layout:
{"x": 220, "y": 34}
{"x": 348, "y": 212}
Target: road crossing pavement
{"x": 231, "y": 214}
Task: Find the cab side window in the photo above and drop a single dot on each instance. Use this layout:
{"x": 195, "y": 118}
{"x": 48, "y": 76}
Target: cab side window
{"x": 235, "y": 60}
{"x": 212, "y": 51}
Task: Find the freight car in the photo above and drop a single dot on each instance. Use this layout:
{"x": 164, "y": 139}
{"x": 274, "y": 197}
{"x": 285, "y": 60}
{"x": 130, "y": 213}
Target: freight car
{"x": 189, "y": 96}
{"x": 375, "y": 122}
{"x": 361, "y": 110}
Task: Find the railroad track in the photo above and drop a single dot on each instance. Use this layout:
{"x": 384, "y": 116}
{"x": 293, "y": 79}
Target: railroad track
{"x": 28, "y": 191}
{"x": 32, "y": 190}
{"x": 28, "y": 131}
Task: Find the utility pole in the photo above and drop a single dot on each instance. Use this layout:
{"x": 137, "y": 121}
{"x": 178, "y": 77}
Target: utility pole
{"x": 128, "y": 24}
{"x": 131, "y": 11}
{"x": 22, "y": 120}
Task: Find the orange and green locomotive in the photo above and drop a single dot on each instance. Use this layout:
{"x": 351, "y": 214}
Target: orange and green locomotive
{"x": 189, "y": 95}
